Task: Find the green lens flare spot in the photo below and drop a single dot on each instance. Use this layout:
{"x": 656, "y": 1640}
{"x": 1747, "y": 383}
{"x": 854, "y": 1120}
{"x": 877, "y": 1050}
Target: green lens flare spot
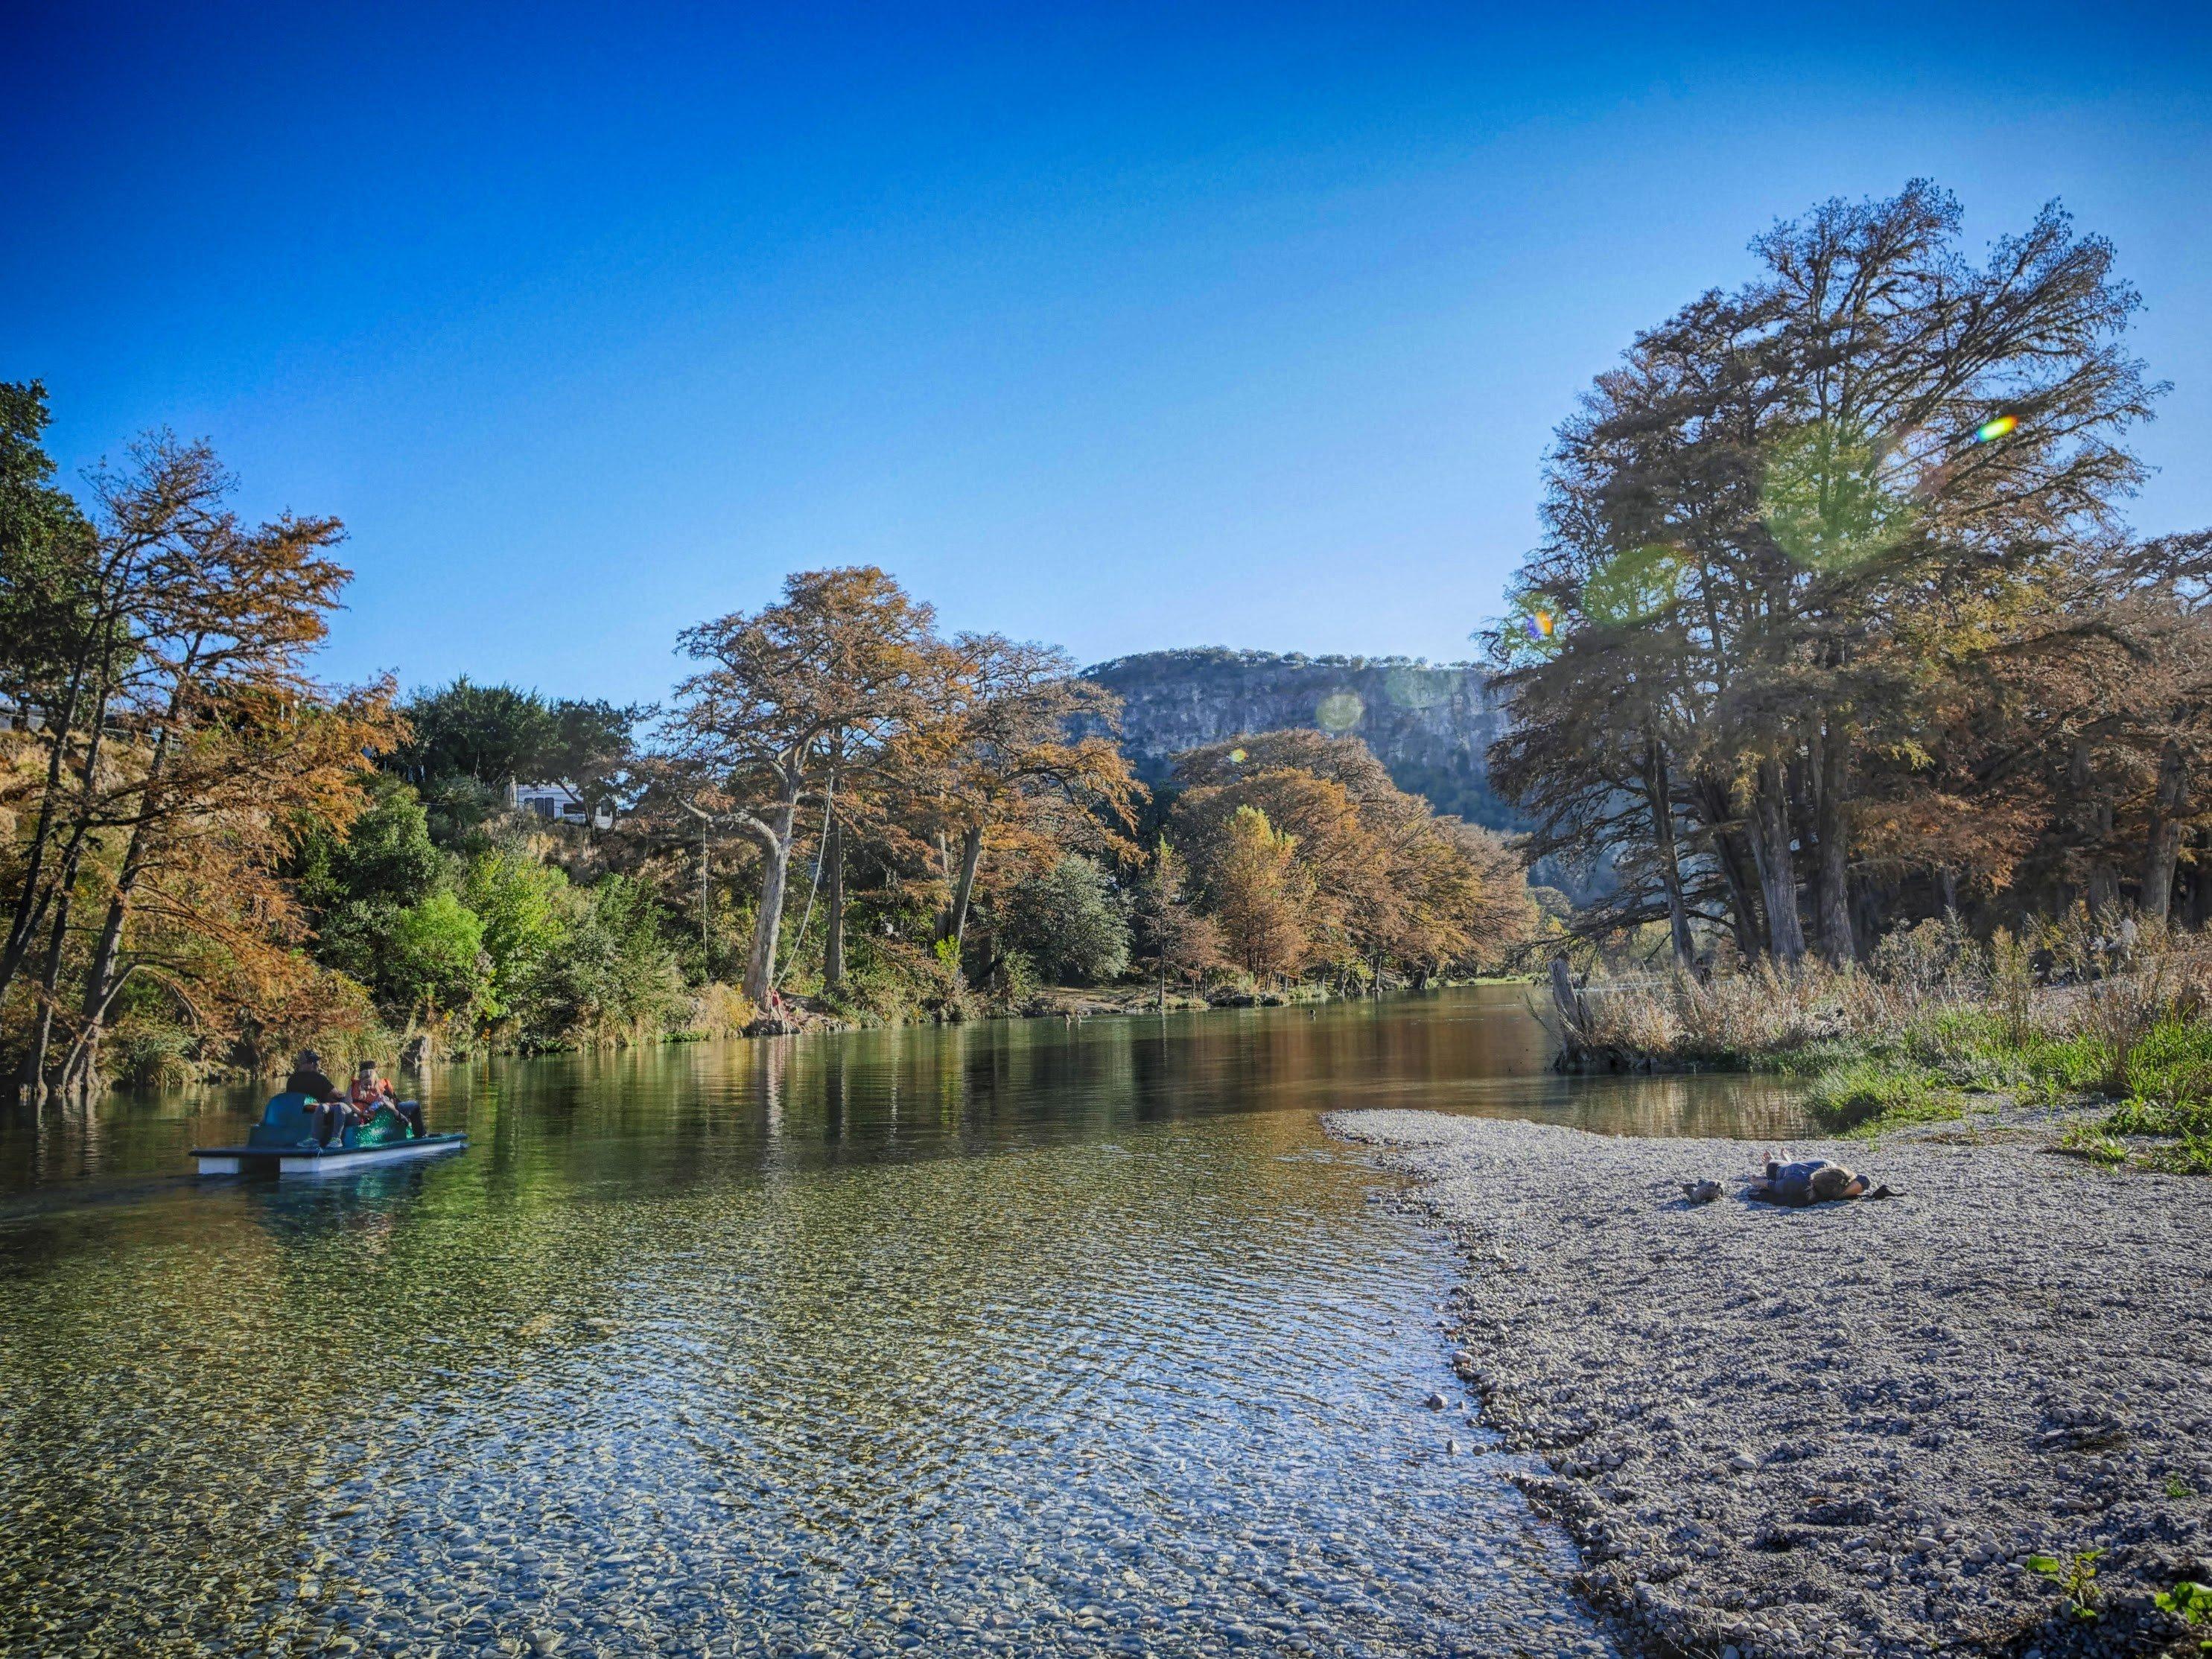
{"x": 1339, "y": 712}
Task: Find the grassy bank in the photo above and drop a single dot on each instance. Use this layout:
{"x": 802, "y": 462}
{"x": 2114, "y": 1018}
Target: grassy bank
{"x": 1938, "y": 1023}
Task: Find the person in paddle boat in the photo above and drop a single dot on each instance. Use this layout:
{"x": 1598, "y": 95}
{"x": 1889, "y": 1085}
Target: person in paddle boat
{"x": 330, "y": 1112}
{"x": 371, "y": 1095}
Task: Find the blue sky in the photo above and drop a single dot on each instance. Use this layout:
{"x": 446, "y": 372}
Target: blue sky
{"x": 1124, "y": 328}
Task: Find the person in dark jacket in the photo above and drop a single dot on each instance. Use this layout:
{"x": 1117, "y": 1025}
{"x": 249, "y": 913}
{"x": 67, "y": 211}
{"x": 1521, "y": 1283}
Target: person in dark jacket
{"x": 1815, "y": 1181}
{"x": 331, "y": 1112}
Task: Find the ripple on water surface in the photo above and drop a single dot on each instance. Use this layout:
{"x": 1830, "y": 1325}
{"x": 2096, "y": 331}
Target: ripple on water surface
{"x": 681, "y": 1357}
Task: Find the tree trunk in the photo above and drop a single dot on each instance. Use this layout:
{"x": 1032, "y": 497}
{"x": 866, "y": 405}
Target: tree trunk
{"x": 1573, "y": 1010}
{"x": 50, "y": 971}
{"x": 31, "y": 903}
{"x": 33, "y": 1077}
{"x": 1736, "y": 869}
{"x": 100, "y": 985}
{"x": 2093, "y": 824}
{"x": 1768, "y": 825}
{"x": 776, "y": 869}
{"x": 23, "y": 925}
{"x": 80, "y": 1069}
{"x": 833, "y": 922}
{"x": 101, "y": 981}
{"x": 1831, "y": 901}
{"x": 1872, "y": 902}
{"x": 2163, "y": 847}
{"x": 1659, "y": 792}
{"x": 971, "y": 857}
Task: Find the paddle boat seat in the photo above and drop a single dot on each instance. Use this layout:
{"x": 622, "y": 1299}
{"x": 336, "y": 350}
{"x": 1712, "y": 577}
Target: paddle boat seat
{"x": 285, "y": 1120}
{"x": 380, "y": 1130}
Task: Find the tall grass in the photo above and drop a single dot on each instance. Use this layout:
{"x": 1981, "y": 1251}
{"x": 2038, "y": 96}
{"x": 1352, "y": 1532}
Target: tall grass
{"x": 1860, "y": 1092}
{"x": 1936, "y": 1015}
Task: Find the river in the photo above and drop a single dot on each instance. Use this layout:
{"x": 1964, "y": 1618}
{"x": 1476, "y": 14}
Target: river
{"x": 1014, "y": 1337}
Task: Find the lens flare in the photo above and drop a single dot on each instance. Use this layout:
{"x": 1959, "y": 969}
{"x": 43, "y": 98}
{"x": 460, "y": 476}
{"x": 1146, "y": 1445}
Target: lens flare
{"x": 1989, "y": 431}
{"x": 1539, "y": 624}
{"x": 1237, "y": 758}
{"x": 1339, "y": 712}
{"x": 1633, "y": 587}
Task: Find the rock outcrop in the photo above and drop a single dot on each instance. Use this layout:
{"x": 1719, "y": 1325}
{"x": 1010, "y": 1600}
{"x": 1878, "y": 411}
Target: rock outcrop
{"x": 1429, "y": 725}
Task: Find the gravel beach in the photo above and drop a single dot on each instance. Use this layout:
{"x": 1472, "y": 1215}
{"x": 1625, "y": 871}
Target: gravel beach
{"x": 1840, "y": 1430}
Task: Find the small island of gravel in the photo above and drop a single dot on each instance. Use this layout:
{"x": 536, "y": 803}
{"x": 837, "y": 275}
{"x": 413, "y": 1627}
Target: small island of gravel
{"x": 1841, "y": 1429}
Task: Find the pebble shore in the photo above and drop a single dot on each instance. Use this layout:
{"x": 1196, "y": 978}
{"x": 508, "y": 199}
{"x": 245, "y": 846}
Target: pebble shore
{"x": 1841, "y": 1429}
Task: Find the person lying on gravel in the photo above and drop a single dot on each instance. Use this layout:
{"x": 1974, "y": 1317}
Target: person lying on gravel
{"x": 1815, "y": 1181}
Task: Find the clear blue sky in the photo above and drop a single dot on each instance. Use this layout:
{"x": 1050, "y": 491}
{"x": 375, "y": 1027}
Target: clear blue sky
{"x": 1124, "y": 328}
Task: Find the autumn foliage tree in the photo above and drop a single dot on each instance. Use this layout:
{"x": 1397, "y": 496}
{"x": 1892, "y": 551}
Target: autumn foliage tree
{"x": 1384, "y": 887}
{"x": 180, "y": 744}
{"x": 1262, "y": 898}
{"x": 1012, "y": 770}
{"x": 832, "y": 684}
{"x": 1834, "y": 594}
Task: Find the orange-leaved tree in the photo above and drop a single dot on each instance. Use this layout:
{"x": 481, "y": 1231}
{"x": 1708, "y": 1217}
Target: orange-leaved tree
{"x": 827, "y": 686}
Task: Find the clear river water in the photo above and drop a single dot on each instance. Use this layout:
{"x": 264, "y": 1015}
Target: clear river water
{"x": 1011, "y": 1337}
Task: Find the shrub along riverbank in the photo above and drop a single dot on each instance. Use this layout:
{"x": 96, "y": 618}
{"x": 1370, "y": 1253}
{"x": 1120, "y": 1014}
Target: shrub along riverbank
{"x": 1940, "y": 1025}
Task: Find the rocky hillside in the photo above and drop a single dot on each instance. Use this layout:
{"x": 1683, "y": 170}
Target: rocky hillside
{"x": 1429, "y": 725}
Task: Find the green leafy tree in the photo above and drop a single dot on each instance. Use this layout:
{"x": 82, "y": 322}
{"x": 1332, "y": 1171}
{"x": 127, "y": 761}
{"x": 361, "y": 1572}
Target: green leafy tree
{"x": 1172, "y": 936}
{"x": 385, "y": 857}
{"x": 46, "y": 550}
{"x": 432, "y": 960}
{"x": 614, "y": 975}
{"x": 486, "y": 732}
{"x": 591, "y": 749}
{"x": 526, "y": 907}
{"x": 358, "y": 885}
{"x": 1068, "y": 920}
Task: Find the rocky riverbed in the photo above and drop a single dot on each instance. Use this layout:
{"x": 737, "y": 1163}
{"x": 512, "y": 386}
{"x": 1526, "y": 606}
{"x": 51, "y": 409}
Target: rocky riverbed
{"x": 1843, "y": 1430}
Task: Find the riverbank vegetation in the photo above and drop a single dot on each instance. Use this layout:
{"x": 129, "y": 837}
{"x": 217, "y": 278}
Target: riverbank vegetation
{"x": 969, "y": 833}
{"x": 208, "y": 857}
{"x": 1838, "y": 635}
{"x": 1940, "y": 1025}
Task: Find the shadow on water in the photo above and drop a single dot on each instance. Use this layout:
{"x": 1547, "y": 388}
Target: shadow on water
{"x": 1010, "y": 1337}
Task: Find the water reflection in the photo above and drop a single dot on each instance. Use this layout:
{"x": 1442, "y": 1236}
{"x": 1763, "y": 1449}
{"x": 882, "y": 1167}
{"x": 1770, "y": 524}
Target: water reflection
{"x": 925, "y": 1091}
{"x": 1007, "y": 1337}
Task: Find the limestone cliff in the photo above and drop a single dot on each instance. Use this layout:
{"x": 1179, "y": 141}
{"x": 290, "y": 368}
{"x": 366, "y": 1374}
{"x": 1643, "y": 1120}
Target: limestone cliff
{"x": 1429, "y": 725}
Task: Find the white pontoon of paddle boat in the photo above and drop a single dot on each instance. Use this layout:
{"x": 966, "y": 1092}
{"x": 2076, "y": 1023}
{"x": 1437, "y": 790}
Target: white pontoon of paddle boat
{"x": 320, "y": 1161}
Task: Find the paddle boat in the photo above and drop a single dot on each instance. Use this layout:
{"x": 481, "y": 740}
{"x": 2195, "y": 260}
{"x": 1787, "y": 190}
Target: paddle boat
{"x": 283, "y": 1144}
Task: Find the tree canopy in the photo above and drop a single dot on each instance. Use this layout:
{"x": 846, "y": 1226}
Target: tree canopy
{"x": 1834, "y": 595}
